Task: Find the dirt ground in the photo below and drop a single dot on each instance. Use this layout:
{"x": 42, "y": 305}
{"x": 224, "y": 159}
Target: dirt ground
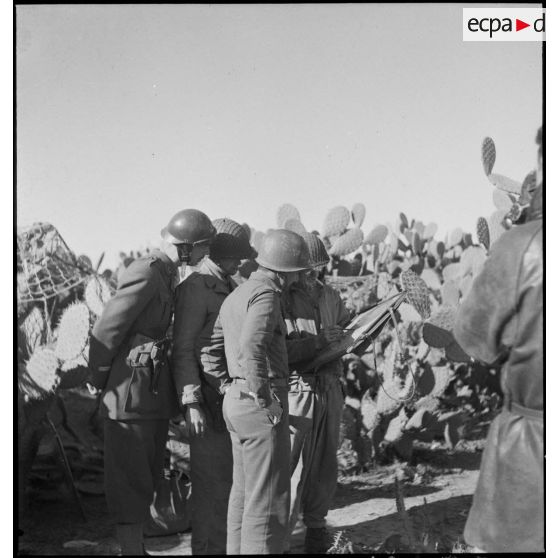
{"x": 436, "y": 488}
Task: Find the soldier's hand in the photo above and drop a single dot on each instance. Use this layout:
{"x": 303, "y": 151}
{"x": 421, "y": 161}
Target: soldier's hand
{"x": 196, "y": 423}
{"x": 275, "y": 411}
{"x": 329, "y": 335}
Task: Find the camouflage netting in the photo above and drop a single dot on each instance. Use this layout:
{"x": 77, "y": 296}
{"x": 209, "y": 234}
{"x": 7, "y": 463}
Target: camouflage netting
{"x": 46, "y": 267}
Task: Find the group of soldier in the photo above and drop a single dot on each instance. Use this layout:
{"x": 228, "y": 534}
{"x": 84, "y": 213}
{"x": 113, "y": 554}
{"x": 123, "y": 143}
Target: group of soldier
{"x": 263, "y": 422}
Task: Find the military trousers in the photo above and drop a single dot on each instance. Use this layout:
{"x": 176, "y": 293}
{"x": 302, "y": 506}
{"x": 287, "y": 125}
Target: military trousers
{"x": 259, "y": 503}
{"x": 134, "y": 454}
{"x": 211, "y": 466}
{"x": 315, "y": 409}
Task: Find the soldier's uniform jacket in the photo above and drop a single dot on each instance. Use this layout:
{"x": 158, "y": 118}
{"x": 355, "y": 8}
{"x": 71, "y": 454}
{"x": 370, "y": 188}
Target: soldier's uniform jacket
{"x": 304, "y": 317}
{"x": 250, "y": 332}
{"x": 198, "y": 301}
{"x": 141, "y": 309}
{"x": 501, "y": 320}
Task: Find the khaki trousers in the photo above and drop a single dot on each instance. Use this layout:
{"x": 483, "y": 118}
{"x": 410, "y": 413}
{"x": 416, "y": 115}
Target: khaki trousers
{"x": 259, "y": 502}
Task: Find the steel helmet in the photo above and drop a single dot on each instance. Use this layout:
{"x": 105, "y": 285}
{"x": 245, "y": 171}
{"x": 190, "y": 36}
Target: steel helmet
{"x": 189, "y": 226}
{"x": 318, "y": 253}
{"x": 231, "y": 241}
{"x": 284, "y": 251}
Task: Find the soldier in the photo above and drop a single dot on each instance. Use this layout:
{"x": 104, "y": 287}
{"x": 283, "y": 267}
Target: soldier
{"x": 501, "y": 321}
{"x": 314, "y": 314}
{"x": 256, "y": 404}
{"x": 198, "y": 301}
{"x": 130, "y": 371}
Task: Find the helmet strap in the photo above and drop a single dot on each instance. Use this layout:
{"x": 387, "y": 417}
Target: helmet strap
{"x": 184, "y": 253}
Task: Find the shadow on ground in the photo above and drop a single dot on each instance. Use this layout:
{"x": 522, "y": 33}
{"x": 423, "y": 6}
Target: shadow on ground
{"x": 436, "y": 527}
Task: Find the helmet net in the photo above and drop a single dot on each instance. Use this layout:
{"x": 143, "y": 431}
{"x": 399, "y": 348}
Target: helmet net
{"x": 46, "y": 267}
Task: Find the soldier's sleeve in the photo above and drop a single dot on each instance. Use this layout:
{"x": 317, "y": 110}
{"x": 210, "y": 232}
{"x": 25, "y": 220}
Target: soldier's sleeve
{"x": 213, "y": 359}
{"x": 489, "y": 308}
{"x": 189, "y": 319}
{"x": 344, "y": 316}
{"x": 137, "y": 288}
{"x": 255, "y": 338}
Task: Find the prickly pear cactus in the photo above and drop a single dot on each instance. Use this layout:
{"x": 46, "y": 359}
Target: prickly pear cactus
{"x": 347, "y": 243}
{"x": 431, "y": 278}
{"x": 336, "y": 221}
{"x": 286, "y": 211}
{"x": 34, "y": 330}
{"x": 408, "y": 313}
{"x": 358, "y": 213}
{"x": 383, "y": 286}
{"x": 39, "y": 377}
{"x": 456, "y": 354}
{"x": 73, "y": 332}
{"x": 97, "y": 294}
{"x": 430, "y": 230}
{"x": 455, "y": 237}
{"x": 506, "y": 184}
{"x": 502, "y": 200}
{"x": 488, "y": 153}
{"x": 417, "y": 292}
{"x": 483, "y": 232}
{"x": 294, "y": 225}
{"x": 377, "y": 234}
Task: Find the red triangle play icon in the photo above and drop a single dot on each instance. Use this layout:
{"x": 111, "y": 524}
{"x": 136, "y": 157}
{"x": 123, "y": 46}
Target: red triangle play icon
{"x": 519, "y": 25}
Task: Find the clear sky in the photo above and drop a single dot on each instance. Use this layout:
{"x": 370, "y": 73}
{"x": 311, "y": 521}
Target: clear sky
{"x": 127, "y": 114}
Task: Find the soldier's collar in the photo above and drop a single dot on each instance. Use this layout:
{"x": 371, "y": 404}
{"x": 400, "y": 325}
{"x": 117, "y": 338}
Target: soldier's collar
{"x": 169, "y": 267}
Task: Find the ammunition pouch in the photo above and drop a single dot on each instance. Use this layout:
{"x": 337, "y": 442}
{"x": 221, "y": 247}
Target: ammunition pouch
{"x": 147, "y": 359}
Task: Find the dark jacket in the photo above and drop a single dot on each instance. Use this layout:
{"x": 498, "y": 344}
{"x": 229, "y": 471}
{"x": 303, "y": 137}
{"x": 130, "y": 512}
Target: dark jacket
{"x": 142, "y": 305}
{"x": 198, "y": 301}
{"x": 305, "y": 317}
{"x": 501, "y": 320}
{"x": 250, "y": 333}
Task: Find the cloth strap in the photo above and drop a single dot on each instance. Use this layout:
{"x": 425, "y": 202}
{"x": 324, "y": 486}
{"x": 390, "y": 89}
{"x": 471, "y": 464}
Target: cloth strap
{"x": 517, "y": 409}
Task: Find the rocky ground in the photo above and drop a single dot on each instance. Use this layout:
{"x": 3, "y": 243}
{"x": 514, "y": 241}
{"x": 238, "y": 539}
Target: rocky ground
{"x": 436, "y": 490}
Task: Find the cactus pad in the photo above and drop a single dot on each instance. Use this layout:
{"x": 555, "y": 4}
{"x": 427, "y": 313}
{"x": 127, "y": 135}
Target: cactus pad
{"x": 483, "y": 232}
{"x": 452, "y": 272}
{"x": 39, "y": 377}
{"x": 417, "y": 292}
{"x": 456, "y": 354}
{"x": 294, "y": 225}
{"x": 347, "y": 243}
{"x": 408, "y": 313}
{"x": 34, "y": 330}
{"x": 504, "y": 183}
{"x": 488, "y": 153}
{"x": 502, "y": 200}
{"x": 403, "y": 223}
{"x": 383, "y": 285}
{"x": 336, "y": 221}
{"x": 431, "y": 278}
{"x": 430, "y": 230}
{"x": 455, "y": 237}
{"x": 377, "y": 234}
{"x": 97, "y": 294}
{"x": 444, "y": 317}
{"x": 285, "y": 212}
{"x": 435, "y": 336}
{"x": 358, "y": 213}
{"x": 73, "y": 332}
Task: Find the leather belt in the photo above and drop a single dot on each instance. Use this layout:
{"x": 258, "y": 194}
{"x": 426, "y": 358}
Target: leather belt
{"x": 273, "y": 382}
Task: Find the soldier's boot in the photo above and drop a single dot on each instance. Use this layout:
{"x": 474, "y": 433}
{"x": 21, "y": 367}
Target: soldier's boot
{"x": 317, "y": 540}
{"x": 130, "y": 539}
